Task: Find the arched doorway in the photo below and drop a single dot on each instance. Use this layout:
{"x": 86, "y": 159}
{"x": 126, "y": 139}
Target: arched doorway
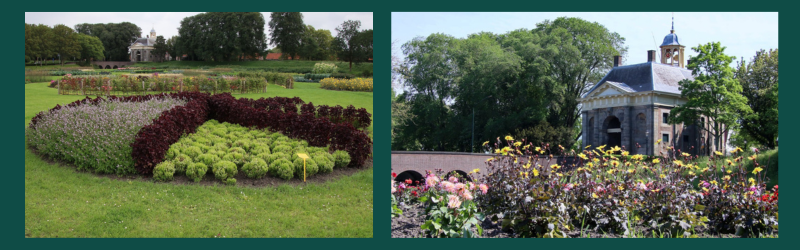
{"x": 613, "y": 131}
{"x": 138, "y": 56}
{"x": 108, "y": 67}
{"x": 115, "y": 67}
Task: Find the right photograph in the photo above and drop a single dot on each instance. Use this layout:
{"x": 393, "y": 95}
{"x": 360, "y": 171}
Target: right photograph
{"x": 584, "y": 125}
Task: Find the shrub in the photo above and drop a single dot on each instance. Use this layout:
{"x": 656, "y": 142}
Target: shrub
{"x": 224, "y": 170}
{"x": 324, "y": 163}
{"x": 164, "y": 171}
{"x": 342, "y": 76}
{"x": 196, "y": 171}
{"x": 350, "y": 84}
{"x": 324, "y": 68}
{"x": 310, "y": 168}
{"x": 209, "y": 159}
{"x": 342, "y": 158}
{"x": 255, "y": 169}
{"x": 181, "y": 162}
{"x": 234, "y": 157}
{"x": 284, "y": 169}
{"x": 259, "y": 149}
{"x": 316, "y": 77}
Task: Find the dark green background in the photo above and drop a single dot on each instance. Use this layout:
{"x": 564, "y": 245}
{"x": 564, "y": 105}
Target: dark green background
{"x": 13, "y": 103}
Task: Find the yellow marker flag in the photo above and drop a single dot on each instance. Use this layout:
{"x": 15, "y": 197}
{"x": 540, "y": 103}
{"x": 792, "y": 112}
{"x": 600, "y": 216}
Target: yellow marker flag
{"x": 304, "y": 157}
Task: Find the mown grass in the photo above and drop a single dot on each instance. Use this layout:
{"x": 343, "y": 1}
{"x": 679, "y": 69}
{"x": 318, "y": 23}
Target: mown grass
{"x": 60, "y": 202}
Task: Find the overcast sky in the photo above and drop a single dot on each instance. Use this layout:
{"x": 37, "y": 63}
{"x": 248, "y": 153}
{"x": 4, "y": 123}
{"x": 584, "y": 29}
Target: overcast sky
{"x": 742, "y": 33}
{"x": 166, "y": 23}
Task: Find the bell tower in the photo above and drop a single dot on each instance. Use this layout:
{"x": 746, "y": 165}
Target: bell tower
{"x": 671, "y": 50}
{"x": 153, "y": 33}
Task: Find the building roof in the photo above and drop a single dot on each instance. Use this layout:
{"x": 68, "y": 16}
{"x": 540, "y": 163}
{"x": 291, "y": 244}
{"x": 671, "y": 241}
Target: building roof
{"x": 152, "y": 30}
{"x": 671, "y": 39}
{"x": 273, "y": 56}
{"x": 647, "y": 76}
{"x": 144, "y": 41}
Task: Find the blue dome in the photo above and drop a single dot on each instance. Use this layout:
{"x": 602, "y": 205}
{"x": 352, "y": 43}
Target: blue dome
{"x": 671, "y": 39}
{"x": 154, "y": 30}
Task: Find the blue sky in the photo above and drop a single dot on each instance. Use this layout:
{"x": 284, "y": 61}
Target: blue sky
{"x": 742, "y": 33}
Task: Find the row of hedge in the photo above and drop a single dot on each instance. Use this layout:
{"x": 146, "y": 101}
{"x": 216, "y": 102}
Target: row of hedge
{"x": 142, "y": 85}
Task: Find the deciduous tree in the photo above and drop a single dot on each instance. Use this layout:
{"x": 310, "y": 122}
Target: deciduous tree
{"x": 286, "y": 31}
{"x": 713, "y": 94}
{"x": 759, "y": 81}
{"x": 65, "y": 42}
{"x": 91, "y": 48}
{"x": 345, "y": 44}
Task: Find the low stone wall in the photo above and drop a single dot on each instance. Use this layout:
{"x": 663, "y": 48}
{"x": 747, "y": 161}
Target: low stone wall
{"x": 420, "y": 161}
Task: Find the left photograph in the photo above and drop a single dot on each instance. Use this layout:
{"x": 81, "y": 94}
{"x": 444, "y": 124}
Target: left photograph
{"x": 198, "y": 125}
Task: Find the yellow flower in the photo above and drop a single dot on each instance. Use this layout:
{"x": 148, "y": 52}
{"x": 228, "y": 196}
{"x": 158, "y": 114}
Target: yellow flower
{"x": 727, "y": 177}
{"x": 625, "y": 153}
{"x": 509, "y": 138}
{"x": 485, "y": 143}
{"x": 559, "y": 174}
{"x": 662, "y": 176}
{"x": 621, "y": 188}
{"x": 718, "y": 153}
{"x": 583, "y": 156}
{"x": 601, "y": 147}
{"x": 752, "y": 181}
{"x": 714, "y": 182}
{"x": 596, "y": 160}
{"x": 757, "y": 169}
{"x": 587, "y": 146}
{"x": 610, "y": 171}
{"x": 630, "y": 171}
{"x": 656, "y": 161}
{"x": 537, "y": 149}
{"x": 728, "y": 171}
{"x": 615, "y": 163}
{"x": 729, "y": 162}
{"x": 678, "y": 162}
{"x": 685, "y": 154}
{"x": 753, "y": 157}
{"x": 705, "y": 189}
{"x": 589, "y": 164}
{"x": 535, "y": 172}
{"x": 517, "y": 144}
{"x": 659, "y": 141}
{"x": 490, "y": 159}
{"x": 594, "y": 195}
{"x": 476, "y": 170}
{"x": 555, "y": 166}
{"x": 738, "y": 149}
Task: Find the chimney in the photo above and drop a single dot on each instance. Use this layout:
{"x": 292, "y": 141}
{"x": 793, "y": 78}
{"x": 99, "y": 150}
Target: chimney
{"x": 617, "y": 61}
{"x": 651, "y": 56}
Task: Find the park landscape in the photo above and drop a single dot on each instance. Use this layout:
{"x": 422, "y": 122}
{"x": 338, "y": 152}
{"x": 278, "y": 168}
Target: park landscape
{"x": 542, "y": 171}
{"x": 206, "y": 147}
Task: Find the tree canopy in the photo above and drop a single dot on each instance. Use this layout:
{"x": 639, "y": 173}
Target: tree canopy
{"x": 759, "y": 81}
{"x": 38, "y": 42}
{"x": 350, "y": 44}
{"x": 523, "y": 83}
{"x": 160, "y": 49}
{"x": 287, "y": 31}
{"x": 713, "y": 94}
{"x": 222, "y": 36}
{"x": 65, "y": 42}
{"x": 116, "y": 37}
{"x": 91, "y": 47}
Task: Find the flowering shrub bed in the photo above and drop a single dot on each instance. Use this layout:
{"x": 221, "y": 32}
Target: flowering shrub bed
{"x": 283, "y": 79}
{"x": 610, "y": 191}
{"x": 226, "y": 149}
{"x": 96, "y": 134}
{"x": 324, "y": 68}
{"x": 124, "y": 85}
{"x": 450, "y": 207}
{"x": 355, "y": 84}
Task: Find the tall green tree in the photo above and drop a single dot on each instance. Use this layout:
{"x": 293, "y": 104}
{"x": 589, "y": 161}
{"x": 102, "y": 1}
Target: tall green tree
{"x": 38, "y": 42}
{"x": 346, "y": 45}
{"x": 172, "y": 47}
{"x": 309, "y": 46}
{"x": 324, "y": 41}
{"x": 287, "y": 29}
{"x": 91, "y": 48}
{"x": 65, "y": 42}
{"x": 576, "y": 54}
{"x": 160, "y": 49}
{"x": 759, "y": 81}
{"x": 364, "y": 43}
{"x": 222, "y": 36}
{"x": 713, "y": 94}
{"x": 116, "y": 37}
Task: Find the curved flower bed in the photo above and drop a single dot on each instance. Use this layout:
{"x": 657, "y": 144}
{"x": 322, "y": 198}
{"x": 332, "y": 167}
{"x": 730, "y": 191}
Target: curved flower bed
{"x": 146, "y": 140}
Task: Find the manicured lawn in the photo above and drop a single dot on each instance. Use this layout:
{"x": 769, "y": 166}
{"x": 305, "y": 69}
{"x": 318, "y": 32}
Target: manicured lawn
{"x": 60, "y": 202}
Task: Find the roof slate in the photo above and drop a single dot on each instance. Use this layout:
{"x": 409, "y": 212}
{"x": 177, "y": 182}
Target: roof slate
{"x": 647, "y": 76}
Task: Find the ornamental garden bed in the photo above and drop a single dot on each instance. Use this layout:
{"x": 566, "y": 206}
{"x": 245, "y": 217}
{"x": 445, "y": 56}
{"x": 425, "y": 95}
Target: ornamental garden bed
{"x": 606, "y": 193}
{"x": 159, "y": 134}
